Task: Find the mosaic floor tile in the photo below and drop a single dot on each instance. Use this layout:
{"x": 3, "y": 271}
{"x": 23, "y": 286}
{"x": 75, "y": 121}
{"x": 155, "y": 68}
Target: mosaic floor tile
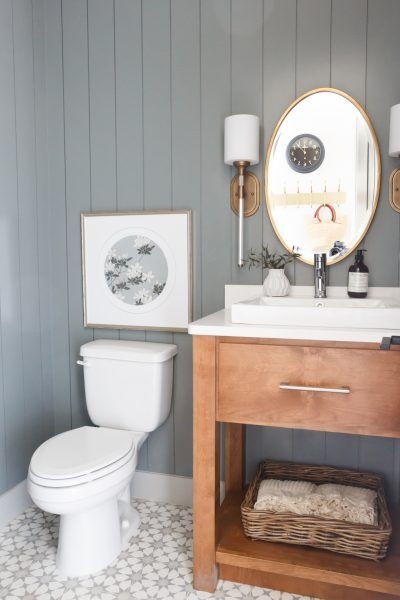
{"x": 157, "y": 564}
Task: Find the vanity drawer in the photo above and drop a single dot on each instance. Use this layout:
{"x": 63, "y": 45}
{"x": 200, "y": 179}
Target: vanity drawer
{"x": 250, "y": 377}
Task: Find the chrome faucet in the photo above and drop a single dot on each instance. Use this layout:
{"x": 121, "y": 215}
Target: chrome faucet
{"x": 320, "y": 275}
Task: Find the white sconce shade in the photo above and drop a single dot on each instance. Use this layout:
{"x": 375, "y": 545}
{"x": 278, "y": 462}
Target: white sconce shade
{"x": 394, "y": 133}
{"x": 242, "y": 139}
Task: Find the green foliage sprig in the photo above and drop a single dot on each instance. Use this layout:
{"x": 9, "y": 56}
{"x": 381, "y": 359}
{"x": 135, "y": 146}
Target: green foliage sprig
{"x": 268, "y": 260}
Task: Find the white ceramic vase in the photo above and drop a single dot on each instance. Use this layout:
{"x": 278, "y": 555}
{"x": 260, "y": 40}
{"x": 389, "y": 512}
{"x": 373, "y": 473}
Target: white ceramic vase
{"x": 276, "y": 283}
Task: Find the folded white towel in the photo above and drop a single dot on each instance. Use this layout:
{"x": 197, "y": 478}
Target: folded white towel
{"x": 329, "y": 500}
{"x": 347, "y": 503}
{"x": 285, "y": 487}
{"x": 285, "y": 496}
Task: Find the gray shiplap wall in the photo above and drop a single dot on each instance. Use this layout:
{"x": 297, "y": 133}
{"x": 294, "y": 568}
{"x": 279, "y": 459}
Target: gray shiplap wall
{"x": 119, "y": 105}
{"x": 26, "y": 408}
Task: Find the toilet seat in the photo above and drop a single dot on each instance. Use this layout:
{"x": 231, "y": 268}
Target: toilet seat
{"x": 82, "y": 455}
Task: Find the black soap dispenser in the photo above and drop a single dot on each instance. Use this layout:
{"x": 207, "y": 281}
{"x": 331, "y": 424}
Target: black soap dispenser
{"x": 357, "y": 286}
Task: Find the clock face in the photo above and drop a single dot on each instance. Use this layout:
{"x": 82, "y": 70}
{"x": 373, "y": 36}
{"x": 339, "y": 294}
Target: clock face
{"x": 305, "y": 153}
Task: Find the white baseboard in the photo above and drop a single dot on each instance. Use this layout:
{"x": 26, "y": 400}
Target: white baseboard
{"x": 171, "y": 489}
{"x": 13, "y": 503}
{"x": 159, "y": 487}
{"x": 147, "y": 486}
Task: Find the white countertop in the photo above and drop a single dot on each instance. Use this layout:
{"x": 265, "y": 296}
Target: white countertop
{"x": 220, "y": 324}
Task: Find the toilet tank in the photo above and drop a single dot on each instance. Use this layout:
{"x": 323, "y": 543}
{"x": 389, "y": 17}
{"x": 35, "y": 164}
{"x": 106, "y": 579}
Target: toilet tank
{"x": 128, "y": 385}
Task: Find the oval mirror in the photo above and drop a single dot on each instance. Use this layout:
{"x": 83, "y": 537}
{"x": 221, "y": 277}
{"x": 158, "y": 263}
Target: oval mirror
{"x": 322, "y": 175}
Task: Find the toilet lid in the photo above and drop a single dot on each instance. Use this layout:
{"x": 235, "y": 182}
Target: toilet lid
{"x": 81, "y": 451}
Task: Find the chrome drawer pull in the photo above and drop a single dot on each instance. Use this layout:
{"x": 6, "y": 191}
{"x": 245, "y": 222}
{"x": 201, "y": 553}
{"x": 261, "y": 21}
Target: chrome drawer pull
{"x": 311, "y": 388}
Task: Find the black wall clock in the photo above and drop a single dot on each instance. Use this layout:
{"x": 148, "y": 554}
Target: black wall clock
{"x": 305, "y": 153}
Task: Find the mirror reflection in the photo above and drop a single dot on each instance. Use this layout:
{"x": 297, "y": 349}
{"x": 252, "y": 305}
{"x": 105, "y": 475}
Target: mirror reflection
{"x": 322, "y": 175}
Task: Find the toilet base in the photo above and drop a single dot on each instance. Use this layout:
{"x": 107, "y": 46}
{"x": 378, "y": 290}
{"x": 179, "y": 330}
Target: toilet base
{"x": 90, "y": 540}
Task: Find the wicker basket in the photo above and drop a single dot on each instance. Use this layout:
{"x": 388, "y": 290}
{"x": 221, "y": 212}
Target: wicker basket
{"x": 366, "y": 541}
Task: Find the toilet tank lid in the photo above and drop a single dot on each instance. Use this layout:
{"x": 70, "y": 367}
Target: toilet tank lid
{"x": 126, "y": 350}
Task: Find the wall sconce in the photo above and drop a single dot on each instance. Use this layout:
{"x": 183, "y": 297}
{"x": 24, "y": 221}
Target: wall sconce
{"x": 394, "y": 150}
{"x": 242, "y": 142}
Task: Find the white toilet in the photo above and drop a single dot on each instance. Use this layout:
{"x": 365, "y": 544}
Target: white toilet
{"x": 84, "y": 474}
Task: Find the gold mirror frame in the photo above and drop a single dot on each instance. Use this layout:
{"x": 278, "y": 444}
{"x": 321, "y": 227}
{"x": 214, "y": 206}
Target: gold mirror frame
{"x": 330, "y": 260}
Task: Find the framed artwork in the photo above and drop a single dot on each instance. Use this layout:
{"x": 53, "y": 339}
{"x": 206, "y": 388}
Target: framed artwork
{"x": 137, "y": 270}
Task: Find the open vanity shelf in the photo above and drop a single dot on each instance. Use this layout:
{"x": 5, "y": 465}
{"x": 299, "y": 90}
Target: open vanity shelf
{"x": 236, "y": 382}
{"x": 302, "y": 569}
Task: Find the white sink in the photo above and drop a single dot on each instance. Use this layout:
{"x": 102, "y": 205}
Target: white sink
{"x": 366, "y": 313}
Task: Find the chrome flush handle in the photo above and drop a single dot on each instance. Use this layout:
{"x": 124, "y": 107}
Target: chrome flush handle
{"x": 84, "y": 363}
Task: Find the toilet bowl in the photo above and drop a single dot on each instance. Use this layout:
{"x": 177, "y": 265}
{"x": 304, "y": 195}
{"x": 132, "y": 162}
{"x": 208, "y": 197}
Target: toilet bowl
{"x": 84, "y": 475}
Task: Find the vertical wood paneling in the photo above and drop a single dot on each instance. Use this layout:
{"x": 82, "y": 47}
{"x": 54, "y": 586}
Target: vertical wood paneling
{"x": 31, "y": 366}
{"x": 183, "y": 406}
{"x": 313, "y": 69}
{"x": 348, "y": 72}
{"x": 186, "y": 174}
{"x": 44, "y": 223}
{"x": 120, "y": 106}
{"x": 254, "y": 450}
{"x": 382, "y": 240}
{"x": 102, "y": 105}
{"x": 279, "y": 87}
{"x": 342, "y": 450}
{"x": 56, "y": 210}
{"x": 309, "y": 446}
{"x": 157, "y": 104}
{"x": 247, "y": 98}
{"x": 186, "y": 132}
{"x": 25, "y": 412}
{"x": 78, "y": 182}
{"x": 129, "y": 104}
{"x": 215, "y": 176}
{"x": 101, "y": 49}
{"x": 129, "y": 124}
{"x": 377, "y": 456}
{"x": 313, "y": 44}
{"x": 382, "y": 91}
{"x": 3, "y": 447}
{"x": 279, "y": 23}
{"x": 349, "y": 48}
{"x": 267, "y": 442}
{"x": 157, "y": 170}
{"x": 9, "y": 244}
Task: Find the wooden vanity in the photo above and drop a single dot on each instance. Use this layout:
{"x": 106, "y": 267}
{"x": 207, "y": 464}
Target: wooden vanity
{"x": 237, "y": 381}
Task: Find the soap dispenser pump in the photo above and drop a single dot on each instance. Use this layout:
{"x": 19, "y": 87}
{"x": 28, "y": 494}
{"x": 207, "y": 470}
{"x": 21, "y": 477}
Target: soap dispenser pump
{"x": 357, "y": 286}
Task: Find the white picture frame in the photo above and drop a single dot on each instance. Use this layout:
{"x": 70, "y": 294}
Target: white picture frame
{"x": 136, "y": 269}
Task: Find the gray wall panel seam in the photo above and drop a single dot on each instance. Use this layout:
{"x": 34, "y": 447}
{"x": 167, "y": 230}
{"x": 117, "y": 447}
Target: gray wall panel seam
{"x": 89, "y": 107}
{"x": 143, "y": 133}
{"x": 36, "y": 205}
{"x": 66, "y": 207}
{"x": 115, "y": 117}
{"x": 18, "y": 211}
{"x": 172, "y": 201}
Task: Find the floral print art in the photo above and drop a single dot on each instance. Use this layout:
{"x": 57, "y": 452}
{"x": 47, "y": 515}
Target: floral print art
{"x": 136, "y": 270}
